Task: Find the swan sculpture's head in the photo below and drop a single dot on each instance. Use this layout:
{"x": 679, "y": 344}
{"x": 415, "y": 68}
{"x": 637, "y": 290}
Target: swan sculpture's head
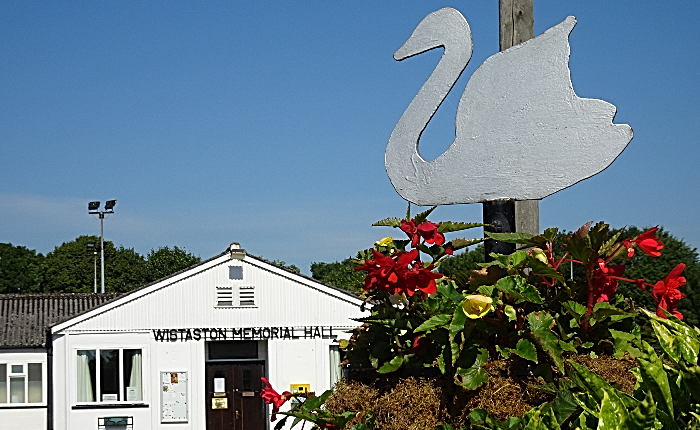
{"x": 445, "y": 27}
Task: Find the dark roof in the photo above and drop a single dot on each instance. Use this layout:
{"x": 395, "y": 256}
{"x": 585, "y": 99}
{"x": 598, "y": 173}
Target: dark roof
{"x": 24, "y": 318}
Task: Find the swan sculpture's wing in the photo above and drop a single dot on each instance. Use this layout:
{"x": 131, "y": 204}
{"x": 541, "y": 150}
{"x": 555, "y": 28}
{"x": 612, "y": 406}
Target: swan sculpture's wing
{"x": 521, "y": 131}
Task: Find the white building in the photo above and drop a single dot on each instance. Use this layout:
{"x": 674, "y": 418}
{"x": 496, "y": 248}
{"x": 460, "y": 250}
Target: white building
{"x": 188, "y": 351}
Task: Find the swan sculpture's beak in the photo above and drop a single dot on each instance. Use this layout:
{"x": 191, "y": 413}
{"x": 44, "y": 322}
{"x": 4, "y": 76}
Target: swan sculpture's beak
{"x": 444, "y": 27}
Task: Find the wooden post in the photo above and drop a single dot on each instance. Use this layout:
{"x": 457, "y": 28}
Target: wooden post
{"x": 516, "y": 25}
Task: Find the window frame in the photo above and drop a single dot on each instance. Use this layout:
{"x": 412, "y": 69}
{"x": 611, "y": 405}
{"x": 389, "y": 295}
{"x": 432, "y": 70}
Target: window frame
{"x": 24, "y": 374}
{"x": 122, "y": 391}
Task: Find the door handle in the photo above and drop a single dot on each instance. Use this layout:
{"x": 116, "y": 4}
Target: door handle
{"x": 238, "y": 414}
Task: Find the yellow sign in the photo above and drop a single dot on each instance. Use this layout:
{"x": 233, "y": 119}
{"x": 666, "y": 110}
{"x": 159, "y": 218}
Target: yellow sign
{"x": 220, "y": 403}
{"x": 300, "y": 388}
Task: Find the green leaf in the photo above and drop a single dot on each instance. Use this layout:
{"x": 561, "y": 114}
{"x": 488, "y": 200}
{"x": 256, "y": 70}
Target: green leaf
{"x": 449, "y": 226}
{"x": 486, "y": 290}
{"x": 656, "y": 380}
{"x": 388, "y": 222}
{"x": 475, "y": 375}
{"x": 602, "y": 310}
{"x": 311, "y": 403}
{"x": 517, "y": 288}
{"x": 642, "y": 417}
{"x": 526, "y": 350}
{"x": 691, "y": 380}
{"x": 541, "y": 324}
{"x": 459, "y": 324}
{"x": 564, "y": 405}
{"x": 539, "y": 268}
{"x": 423, "y": 216}
{"x": 667, "y": 421}
{"x": 434, "y": 322}
{"x": 460, "y": 243}
{"x": 391, "y": 365}
{"x": 575, "y": 309}
{"x": 448, "y": 290}
{"x": 518, "y": 258}
{"x": 523, "y": 238}
{"x": 613, "y": 415}
{"x": 595, "y": 386}
{"x": 677, "y": 340}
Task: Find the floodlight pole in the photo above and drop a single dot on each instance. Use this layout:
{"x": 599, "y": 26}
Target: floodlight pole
{"x": 102, "y": 251}
{"x": 94, "y": 254}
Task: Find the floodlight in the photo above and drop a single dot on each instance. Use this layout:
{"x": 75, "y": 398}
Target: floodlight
{"x": 93, "y": 206}
{"x": 109, "y": 204}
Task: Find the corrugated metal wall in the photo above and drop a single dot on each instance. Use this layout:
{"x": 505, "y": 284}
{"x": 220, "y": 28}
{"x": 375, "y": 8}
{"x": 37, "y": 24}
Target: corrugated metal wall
{"x": 191, "y": 302}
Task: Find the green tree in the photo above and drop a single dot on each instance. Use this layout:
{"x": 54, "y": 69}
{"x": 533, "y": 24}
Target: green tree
{"x": 283, "y": 264}
{"x": 69, "y": 268}
{"x": 340, "y": 274}
{"x": 462, "y": 264}
{"x": 20, "y": 269}
{"x": 165, "y": 261}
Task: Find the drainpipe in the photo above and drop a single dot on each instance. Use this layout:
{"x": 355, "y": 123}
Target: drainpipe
{"x": 49, "y": 379}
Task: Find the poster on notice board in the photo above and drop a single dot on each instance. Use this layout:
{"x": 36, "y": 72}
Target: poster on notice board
{"x": 173, "y": 397}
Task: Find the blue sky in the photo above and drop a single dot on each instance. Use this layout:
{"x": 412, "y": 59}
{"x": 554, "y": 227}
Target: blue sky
{"x": 266, "y": 122}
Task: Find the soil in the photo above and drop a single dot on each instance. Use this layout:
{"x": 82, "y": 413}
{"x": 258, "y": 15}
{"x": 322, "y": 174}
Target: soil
{"x": 424, "y": 403}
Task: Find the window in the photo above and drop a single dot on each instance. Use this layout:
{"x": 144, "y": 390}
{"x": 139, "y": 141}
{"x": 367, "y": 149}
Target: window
{"x": 334, "y": 365}
{"x": 21, "y": 383}
{"x": 109, "y": 375}
{"x": 233, "y": 349}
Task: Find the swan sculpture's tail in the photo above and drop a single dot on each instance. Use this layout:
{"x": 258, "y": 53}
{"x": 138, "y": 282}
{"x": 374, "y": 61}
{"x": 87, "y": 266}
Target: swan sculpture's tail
{"x": 521, "y": 131}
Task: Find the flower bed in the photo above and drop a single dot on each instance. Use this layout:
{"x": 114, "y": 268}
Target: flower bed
{"x": 518, "y": 312}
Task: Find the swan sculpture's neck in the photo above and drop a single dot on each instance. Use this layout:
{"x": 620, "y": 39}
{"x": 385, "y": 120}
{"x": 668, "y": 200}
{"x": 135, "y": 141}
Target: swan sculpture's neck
{"x": 445, "y": 28}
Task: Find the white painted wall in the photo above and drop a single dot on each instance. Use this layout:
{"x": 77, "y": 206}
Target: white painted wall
{"x": 21, "y": 417}
{"x": 188, "y": 301}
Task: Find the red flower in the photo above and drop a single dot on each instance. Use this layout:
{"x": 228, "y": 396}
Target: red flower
{"x": 400, "y": 273}
{"x": 387, "y": 273}
{"x": 604, "y": 282}
{"x": 647, "y": 242}
{"x": 668, "y": 294}
{"x": 449, "y": 251}
{"x": 427, "y": 230}
{"x": 270, "y": 396}
{"x": 419, "y": 343}
{"x": 421, "y": 278}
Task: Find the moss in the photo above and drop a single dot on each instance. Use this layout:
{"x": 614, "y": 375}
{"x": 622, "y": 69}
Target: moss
{"x": 424, "y": 403}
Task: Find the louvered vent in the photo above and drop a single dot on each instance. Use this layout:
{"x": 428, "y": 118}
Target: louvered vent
{"x": 224, "y": 296}
{"x": 247, "y": 296}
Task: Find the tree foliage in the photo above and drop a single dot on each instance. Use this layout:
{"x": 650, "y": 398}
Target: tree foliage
{"x": 70, "y": 268}
{"x": 165, "y": 261}
{"x": 20, "y": 269}
{"x": 340, "y": 274}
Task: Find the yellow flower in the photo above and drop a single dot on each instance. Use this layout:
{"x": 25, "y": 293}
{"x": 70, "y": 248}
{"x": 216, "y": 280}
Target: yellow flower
{"x": 384, "y": 242}
{"x": 477, "y": 305}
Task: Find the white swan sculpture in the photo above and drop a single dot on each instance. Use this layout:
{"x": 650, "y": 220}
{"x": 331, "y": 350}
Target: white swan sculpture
{"x": 521, "y": 131}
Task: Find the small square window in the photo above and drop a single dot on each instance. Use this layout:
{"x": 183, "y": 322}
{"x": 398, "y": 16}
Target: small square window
{"x": 17, "y": 368}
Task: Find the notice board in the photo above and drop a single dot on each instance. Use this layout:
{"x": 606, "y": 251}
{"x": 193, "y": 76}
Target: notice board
{"x": 173, "y": 397}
